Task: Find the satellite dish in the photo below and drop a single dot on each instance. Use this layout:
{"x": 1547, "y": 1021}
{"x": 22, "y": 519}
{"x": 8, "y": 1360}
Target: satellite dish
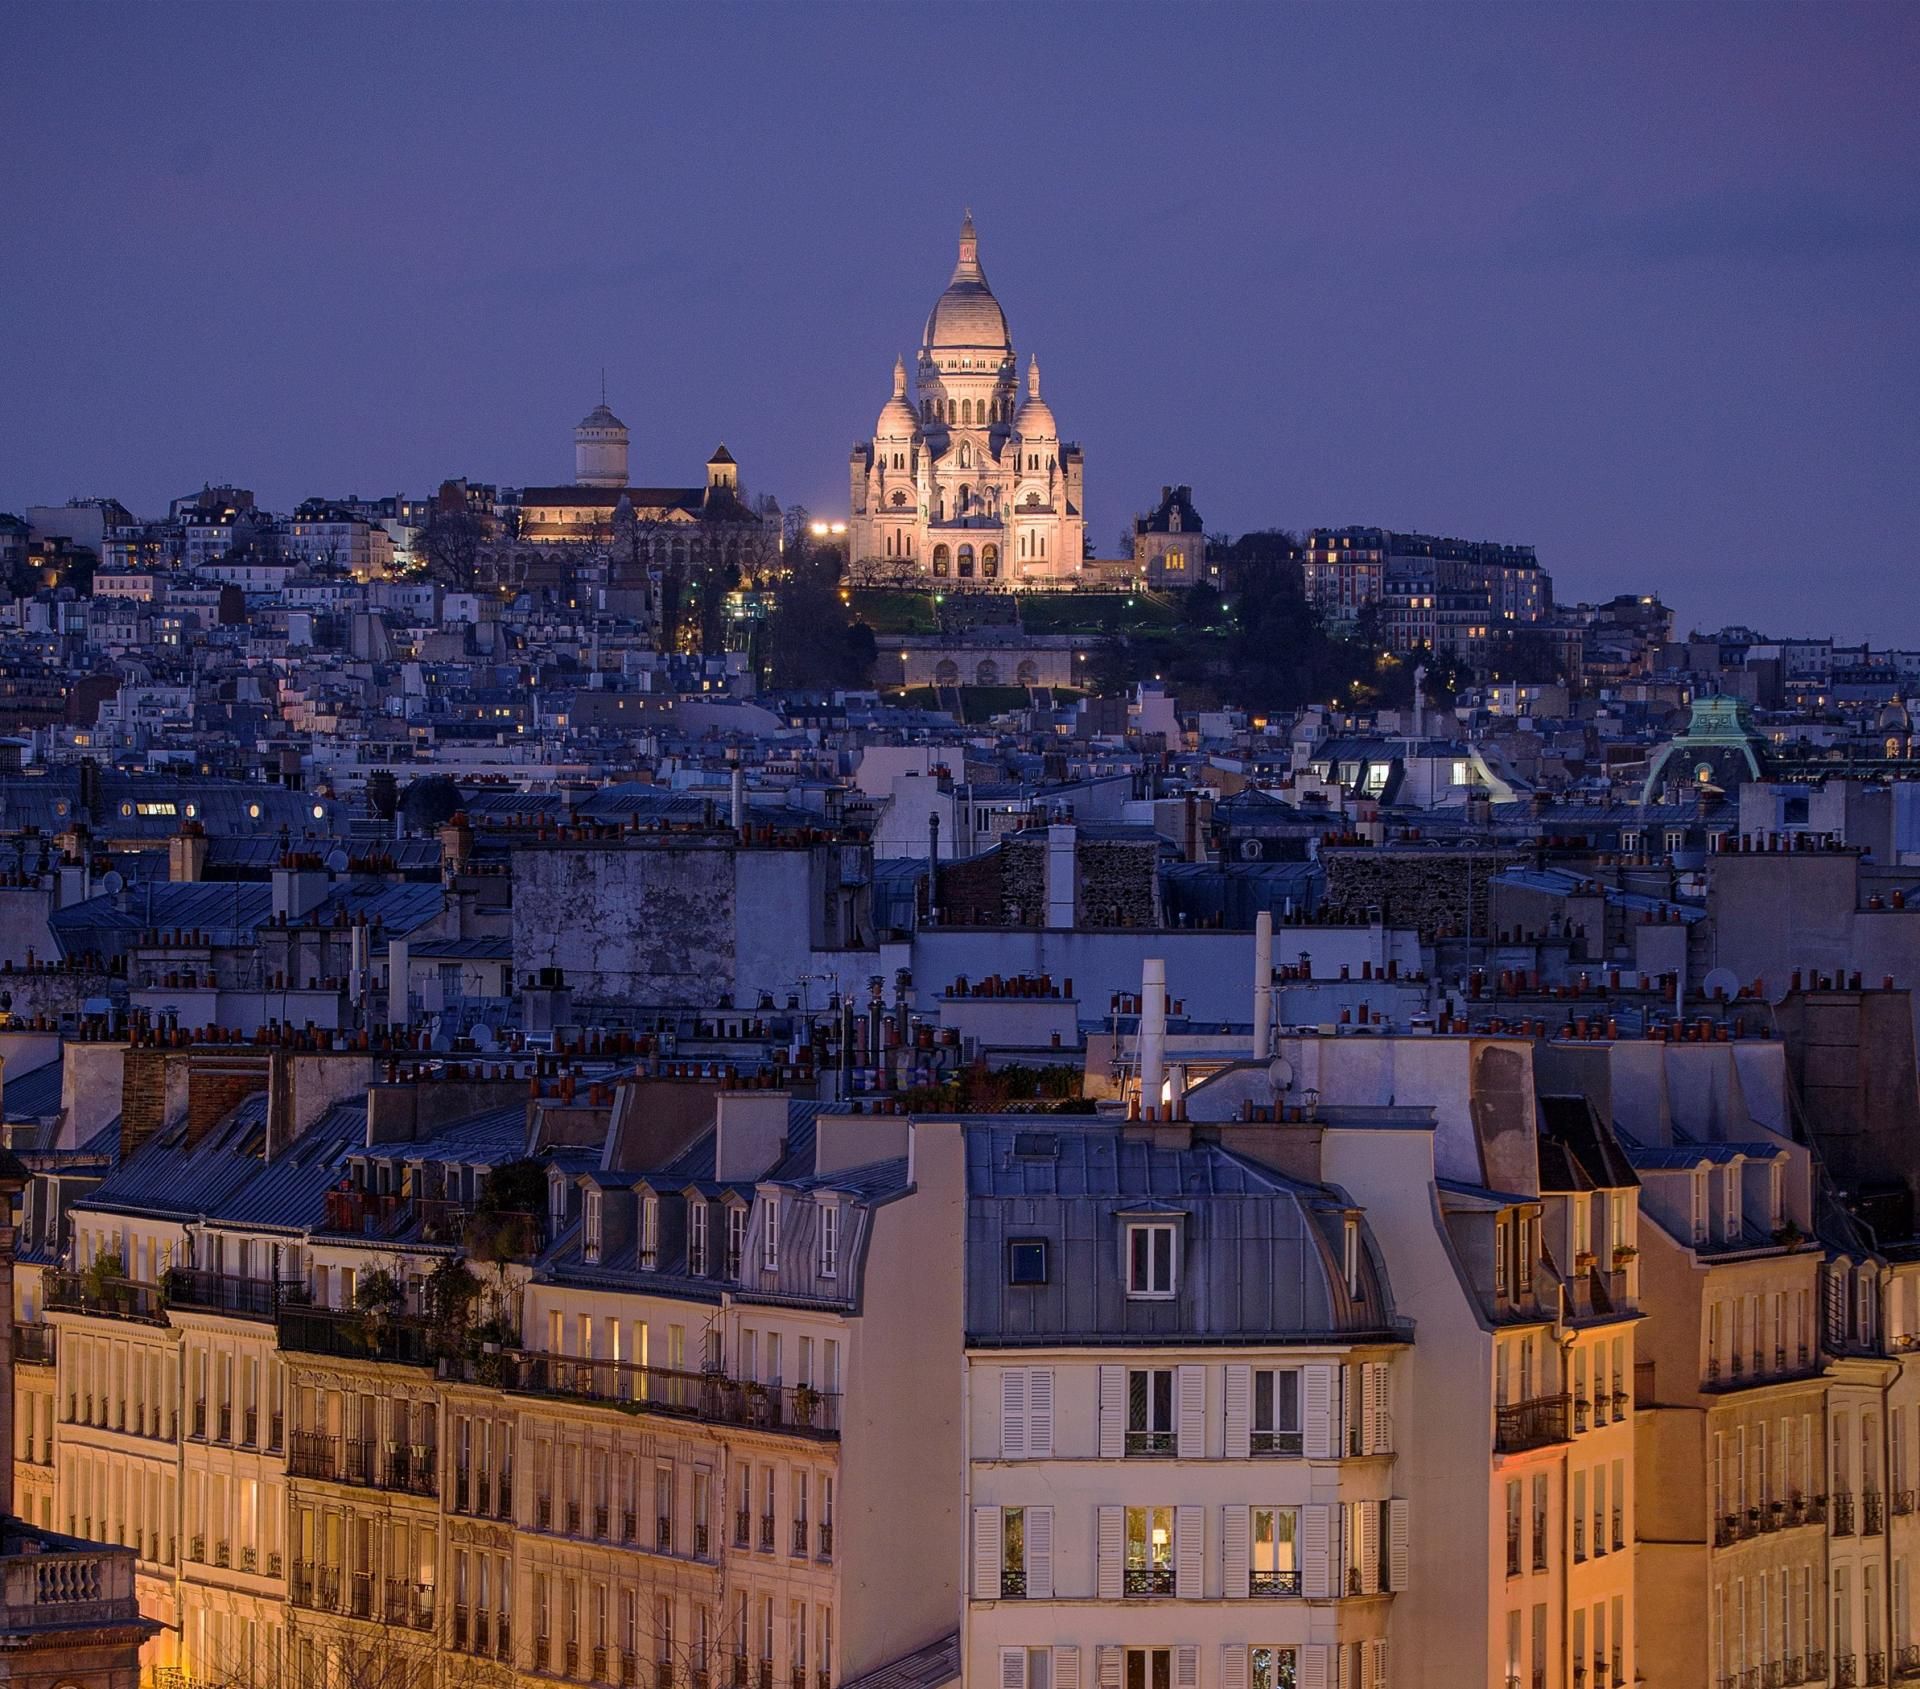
{"x": 1722, "y": 982}
{"x": 337, "y": 860}
{"x": 1280, "y": 1074}
{"x": 482, "y": 1036}
{"x": 442, "y": 1043}
{"x": 112, "y": 881}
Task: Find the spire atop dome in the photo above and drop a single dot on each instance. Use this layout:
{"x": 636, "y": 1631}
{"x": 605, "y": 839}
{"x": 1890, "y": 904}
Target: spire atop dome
{"x": 899, "y": 378}
{"x": 968, "y": 268}
{"x": 1033, "y": 376}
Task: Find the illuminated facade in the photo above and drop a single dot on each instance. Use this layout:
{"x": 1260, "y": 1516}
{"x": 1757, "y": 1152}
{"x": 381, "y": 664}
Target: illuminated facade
{"x": 968, "y": 483}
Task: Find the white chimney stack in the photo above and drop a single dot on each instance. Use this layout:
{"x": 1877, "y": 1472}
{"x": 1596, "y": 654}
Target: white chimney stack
{"x": 1262, "y": 984}
{"x": 1153, "y": 1032}
{"x": 739, "y": 797}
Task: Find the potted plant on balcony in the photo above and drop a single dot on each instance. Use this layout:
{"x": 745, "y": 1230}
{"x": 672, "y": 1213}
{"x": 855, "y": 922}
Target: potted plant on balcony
{"x": 451, "y": 1292}
{"x": 1623, "y": 1253}
{"x": 1583, "y": 1261}
{"x": 1788, "y": 1235}
{"x": 378, "y": 1294}
{"x": 105, "y": 1280}
{"x": 806, "y": 1404}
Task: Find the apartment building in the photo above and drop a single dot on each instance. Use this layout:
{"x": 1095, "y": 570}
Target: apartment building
{"x": 1181, "y": 1404}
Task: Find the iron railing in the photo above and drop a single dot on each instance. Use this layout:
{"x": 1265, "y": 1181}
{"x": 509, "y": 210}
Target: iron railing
{"x": 1533, "y": 1424}
{"x": 710, "y": 1396}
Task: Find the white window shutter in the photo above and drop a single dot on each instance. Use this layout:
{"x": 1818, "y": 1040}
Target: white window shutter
{"x": 1236, "y": 1534}
{"x": 1397, "y": 1545}
{"x": 1239, "y": 1443}
{"x": 1189, "y": 1552}
{"x": 1313, "y": 1666}
{"x": 1186, "y": 1667}
{"x": 1380, "y": 1663}
{"x": 1233, "y": 1667}
{"x": 1383, "y": 1407}
{"x": 1013, "y": 1413}
{"x": 1190, "y": 1442}
{"x": 1366, "y": 1667}
{"x": 1040, "y": 1412}
{"x": 1368, "y": 1521}
{"x": 986, "y": 1553}
{"x": 1113, "y": 1549}
{"x": 1013, "y": 1668}
{"x": 1113, "y": 1412}
{"x": 1316, "y": 1549}
{"x": 1066, "y": 1668}
{"x": 1109, "y": 1662}
{"x": 1368, "y": 1406}
{"x": 1317, "y": 1412}
{"x": 1040, "y": 1553}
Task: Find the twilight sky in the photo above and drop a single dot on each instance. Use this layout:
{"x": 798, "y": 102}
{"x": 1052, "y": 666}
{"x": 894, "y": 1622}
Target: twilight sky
{"x": 1635, "y": 284}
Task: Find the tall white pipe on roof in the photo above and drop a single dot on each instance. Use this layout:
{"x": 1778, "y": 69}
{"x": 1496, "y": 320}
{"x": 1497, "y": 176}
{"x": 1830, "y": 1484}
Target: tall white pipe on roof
{"x": 739, "y": 784}
{"x": 1262, "y": 984}
{"x": 1153, "y": 1031}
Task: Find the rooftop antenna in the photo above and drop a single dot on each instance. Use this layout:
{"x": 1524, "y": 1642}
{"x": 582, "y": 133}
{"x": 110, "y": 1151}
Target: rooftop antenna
{"x": 603, "y": 384}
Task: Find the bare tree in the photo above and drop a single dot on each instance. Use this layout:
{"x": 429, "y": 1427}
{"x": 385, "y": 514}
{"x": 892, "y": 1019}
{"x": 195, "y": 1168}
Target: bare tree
{"x": 450, "y": 543}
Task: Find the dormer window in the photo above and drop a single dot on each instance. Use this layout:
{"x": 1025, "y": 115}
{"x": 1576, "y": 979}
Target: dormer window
{"x": 1730, "y": 1201}
{"x": 1777, "y": 1195}
{"x": 829, "y": 1239}
{"x": 1700, "y": 1205}
{"x": 649, "y": 1232}
{"x": 590, "y": 1237}
{"x": 736, "y": 1240}
{"x": 556, "y": 1205}
{"x": 1350, "y": 1256}
{"x": 1150, "y": 1259}
{"x": 697, "y": 1239}
{"x": 770, "y": 1234}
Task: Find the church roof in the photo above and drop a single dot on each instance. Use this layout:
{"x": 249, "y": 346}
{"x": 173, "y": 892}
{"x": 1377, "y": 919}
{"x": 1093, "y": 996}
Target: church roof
{"x": 967, "y": 317}
{"x": 601, "y": 417}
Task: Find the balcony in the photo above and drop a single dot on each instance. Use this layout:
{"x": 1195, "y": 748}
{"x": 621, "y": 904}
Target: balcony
{"x": 33, "y": 1343}
{"x": 629, "y": 1526}
{"x": 1273, "y": 1584}
{"x": 1876, "y": 1666}
{"x": 344, "y": 1335}
{"x": 411, "y": 1468}
{"x": 313, "y": 1454}
{"x": 742, "y": 1528}
{"x": 709, "y": 1396}
{"x": 1846, "y": 1672}
{"x": 1150, "y": 1443}
{"x": 360, "y": 1595}
{"x": 766, "y": 1533}
{"x": 47, "y": 1582}
{"x": 1147, "y": 1580}
{"x": 1906, "y": 1660}
{"x": 826, "y": 1539}
{"x": 1533, "y": 1424}
{"x": 113, "y": 1298}
{"x": 1901, "y": 1502}
{"x": 409, "y": 1604}
{"x": 314, "y": 1586}
{"x": 800, "y": 1537}
{"x": 1013, "y": 1585}
{"x": 223, "y": 1293}
{"x": 1842, "y": 1525}
{"x": 1872, "y": 1522}
{"x": 663, "y": 1535}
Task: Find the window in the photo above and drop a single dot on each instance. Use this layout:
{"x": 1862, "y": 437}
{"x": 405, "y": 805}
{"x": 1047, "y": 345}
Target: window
{"x": 1149, "y": 1561}
{"x": 590, "y": 1242}
{"x": 1275, "y": 1544}
{"x": 770, "y": 1234}
{"x": 649, "y": 1232}
{"x": 1699, "y": 1205}
{"x": 697, "y": 1238}
{"x": 1027, "y": 1260}
{"x": 1149, "y": 1668}
{"x": 1276, "y": 1411}
{"x": 1150, "y": 1426}
{"x": 1272, "y": 1668}
{"x": 1150, "y": 1260}
{"x": 1013, "y": 1553}
{"x": 736, "y": 1239}
{"x": 829, "y": 1239}
{"x": 1350, "y": 1256}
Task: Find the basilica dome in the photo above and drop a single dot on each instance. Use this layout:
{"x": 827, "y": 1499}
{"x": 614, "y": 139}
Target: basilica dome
{"x": 967, "y": 317}
{"x": 1034, "y": 419}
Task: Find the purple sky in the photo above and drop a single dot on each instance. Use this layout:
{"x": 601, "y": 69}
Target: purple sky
{"x": 1637, "y": 285}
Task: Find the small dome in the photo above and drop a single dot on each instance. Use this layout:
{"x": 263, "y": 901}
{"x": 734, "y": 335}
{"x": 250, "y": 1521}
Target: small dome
{"x": 1034, "y": 419}
{"x": 601, "y": 417}
{"x": 897, "y": 421}
{"x": 967, "y": 317}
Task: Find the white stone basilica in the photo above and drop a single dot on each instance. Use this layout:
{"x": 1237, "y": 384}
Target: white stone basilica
{"x": 975, "y": 488}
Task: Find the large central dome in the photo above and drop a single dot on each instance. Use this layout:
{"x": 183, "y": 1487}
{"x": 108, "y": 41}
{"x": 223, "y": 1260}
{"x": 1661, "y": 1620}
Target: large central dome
{"x": 967, "y": 317}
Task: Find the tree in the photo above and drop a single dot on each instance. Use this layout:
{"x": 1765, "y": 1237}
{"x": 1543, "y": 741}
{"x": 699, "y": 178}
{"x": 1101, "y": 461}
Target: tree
{"x": 450, "y": 543}
{"x": 814, "y": 642}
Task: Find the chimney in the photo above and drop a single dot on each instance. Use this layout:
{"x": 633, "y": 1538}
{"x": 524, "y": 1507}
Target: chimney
{"x": 1060, "y": 875}
{"x": 187, "y": 854}
{"x": 298, "y": 891}
{"x": 1262, "y": 984}
{"x": 739, "y": 797}
{"x": 1153, "y": 1031}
